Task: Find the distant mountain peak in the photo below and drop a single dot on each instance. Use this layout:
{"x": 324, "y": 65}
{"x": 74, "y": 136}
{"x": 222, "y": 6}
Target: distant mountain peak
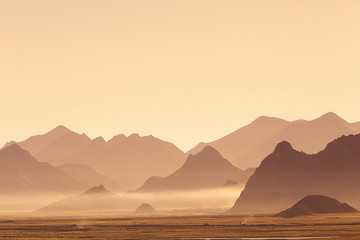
{"x": 283, "y": 146}
{"x": 13, "y": 148}
{"x": 99, "y": 139}
{"x": 206, "y": 169}
{"x": 205, "y": 154}
{"x": 207, "y": 157}
{"x": 208, "y": 150}
{"x": 14, "y": 151}
{"x": 265, "y": 119}
{"x": 262, "y": 118}
{"x": 116, "y": 139}
{"x": 134, "y": 135}
{"x": 84, "y": 135}
{"x": 97, "y": 189}
{"x": 330, "y": 116}
{"x": 9, "y": 144}
{"x": 60, "y": 130}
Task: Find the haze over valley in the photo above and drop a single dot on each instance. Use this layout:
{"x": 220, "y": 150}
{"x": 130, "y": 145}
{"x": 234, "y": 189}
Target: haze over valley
{"x": 62, "y": 164}
{"x": 180, "y": 119}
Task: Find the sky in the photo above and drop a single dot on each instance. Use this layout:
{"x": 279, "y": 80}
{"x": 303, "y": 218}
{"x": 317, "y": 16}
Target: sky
{"x": 184, "y": 71}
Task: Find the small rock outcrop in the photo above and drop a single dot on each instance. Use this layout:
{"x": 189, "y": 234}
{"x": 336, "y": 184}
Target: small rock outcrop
{"x": 315, "y": 204}
{"x": 145, "y": 208}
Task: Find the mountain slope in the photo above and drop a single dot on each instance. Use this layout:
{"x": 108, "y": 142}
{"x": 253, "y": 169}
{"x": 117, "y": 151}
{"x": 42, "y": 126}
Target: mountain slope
{"x": 356, "y": 126}
{"x": 308, "y": 136}
{"x": 87, "y": 176}
{"x": 315, "y": 204}
{"x": 63, "y": 148}
{"x": 287, "y": 175}
{"x": 204, "y": 170}
{"x": 97, "y": 198}
{"x": 21, "y": 173}
{"x": 38, "y": 142}
{"x": 130, "y": 160}
{"x": 240, "y": 141}
{"x": 55, "y": 146}
{"x": 249, "y": 145}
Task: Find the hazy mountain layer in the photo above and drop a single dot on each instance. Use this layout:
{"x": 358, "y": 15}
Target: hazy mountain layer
{"x": 129, "y": 160}
{"x": 21, "y": 173}
{"x": 249, "y": 145}
{"x": 206, "y": 169}
{"x": 95, "y": 199}
{"x": 87, "y": 176}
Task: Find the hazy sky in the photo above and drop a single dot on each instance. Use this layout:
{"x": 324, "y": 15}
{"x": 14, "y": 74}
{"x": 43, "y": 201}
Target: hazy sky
{"x": 184, "y": 71}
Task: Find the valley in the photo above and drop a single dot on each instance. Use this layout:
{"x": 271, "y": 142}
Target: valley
{"x": 125, "y": 226}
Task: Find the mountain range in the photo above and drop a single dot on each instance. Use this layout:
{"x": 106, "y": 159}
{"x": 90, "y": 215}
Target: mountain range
{"x": 97, "y": 198}
{"x": 206, "y": 169}
{"x": 249, "y": 145}
{"x": 129, "y": 160}
{"x": 88, "y": 176}
{"x": 126, "y": 162}
{"x": 21, "y": 173}
{"x": 287, "y": 175}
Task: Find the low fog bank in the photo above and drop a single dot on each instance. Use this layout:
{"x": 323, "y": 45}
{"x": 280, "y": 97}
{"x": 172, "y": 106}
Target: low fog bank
{"x": 192, "y": 201}
{"x": 204, "y": 198}
{"x": 26, "y": 203}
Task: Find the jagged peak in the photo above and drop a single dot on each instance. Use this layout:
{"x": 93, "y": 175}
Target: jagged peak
{"x": 206, "y": 156}
{"x": 117, "y": 137}
{"x": 283, "y": 146}
{"x": 347, "y": 140}
{"x": 99, "y": 139}
{"x": 134, "y": 135}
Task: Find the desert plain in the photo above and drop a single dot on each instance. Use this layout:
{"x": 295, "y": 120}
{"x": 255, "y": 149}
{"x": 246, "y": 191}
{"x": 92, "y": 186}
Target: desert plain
{"x": 193, "y": 225}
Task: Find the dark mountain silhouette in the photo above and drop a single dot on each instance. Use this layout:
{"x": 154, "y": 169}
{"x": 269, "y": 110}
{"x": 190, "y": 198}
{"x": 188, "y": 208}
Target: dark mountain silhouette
{"x": 21, "y": 173}
{"x": 87, "y": 176}
{"x": 315, "y": 204}
{"x": 287, "y": 175}
{"x": 97, "y": 198}
{"x": 145, "y": 208}
{"x": 206, "y": 169}
{"x": 249, "y": 145}
{"x": 129, "y": 160}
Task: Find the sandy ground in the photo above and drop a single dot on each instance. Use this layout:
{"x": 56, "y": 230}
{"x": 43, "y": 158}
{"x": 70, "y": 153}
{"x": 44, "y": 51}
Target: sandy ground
{"x": 104, "y": 226}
